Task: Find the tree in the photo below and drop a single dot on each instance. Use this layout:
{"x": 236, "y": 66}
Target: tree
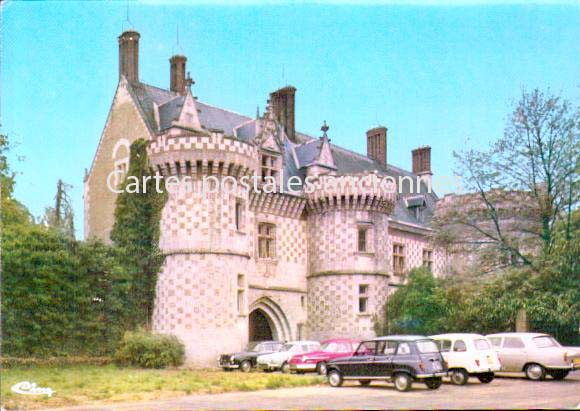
{"x": 419, "y": 307}
{"x": 61, "y": 216}
{"x": 521, "y": 187}
{"x": 136, "y": 233}
{"x": 12, "y": 211}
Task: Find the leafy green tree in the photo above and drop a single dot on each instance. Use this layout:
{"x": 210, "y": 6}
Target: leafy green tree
{"x": 136, "y": 233}
{"x": 417, "y": 308}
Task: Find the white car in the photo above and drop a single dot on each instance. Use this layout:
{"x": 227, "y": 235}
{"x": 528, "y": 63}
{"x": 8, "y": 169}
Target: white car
{"x": 468, "y": 355}
{"x": 536, "y": 354}
{"x": 279, "y": 360}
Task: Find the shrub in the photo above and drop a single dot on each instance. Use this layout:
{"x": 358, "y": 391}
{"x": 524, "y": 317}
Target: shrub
{"x": 147, "y": 350}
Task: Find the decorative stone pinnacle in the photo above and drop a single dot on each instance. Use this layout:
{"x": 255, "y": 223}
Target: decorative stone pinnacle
{"x": 324, "y": 129}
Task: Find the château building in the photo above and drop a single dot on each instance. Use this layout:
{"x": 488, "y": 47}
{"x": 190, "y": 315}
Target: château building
{"x": 252, "y": 265}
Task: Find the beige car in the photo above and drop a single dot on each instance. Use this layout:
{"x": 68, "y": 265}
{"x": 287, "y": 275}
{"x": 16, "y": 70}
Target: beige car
{"x": 536, "y": 354}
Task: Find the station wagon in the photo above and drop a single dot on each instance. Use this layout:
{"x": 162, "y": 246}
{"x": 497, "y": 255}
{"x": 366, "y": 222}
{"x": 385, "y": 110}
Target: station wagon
{"x": 400, "y": 359}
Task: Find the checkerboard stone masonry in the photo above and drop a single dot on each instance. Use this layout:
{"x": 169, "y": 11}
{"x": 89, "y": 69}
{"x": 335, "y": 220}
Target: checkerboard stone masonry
{"x": 333, "y": 311}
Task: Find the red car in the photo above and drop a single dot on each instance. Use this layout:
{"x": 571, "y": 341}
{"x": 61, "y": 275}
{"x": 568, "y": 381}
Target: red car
{"x": 316, "y": 360}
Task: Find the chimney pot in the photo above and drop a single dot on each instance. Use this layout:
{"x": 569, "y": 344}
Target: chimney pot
{"x": 422, "y": 160}
{"x": 178, "y": 81}
{"x": 283, "y": 103}
{"x": 422, "y": 164}
{"x": 377, "y": 144}
{"x": 129, "y": 55}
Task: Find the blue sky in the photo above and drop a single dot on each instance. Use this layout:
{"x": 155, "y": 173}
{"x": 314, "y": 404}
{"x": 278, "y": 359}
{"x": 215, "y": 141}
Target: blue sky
{"x": 442, "y": 75}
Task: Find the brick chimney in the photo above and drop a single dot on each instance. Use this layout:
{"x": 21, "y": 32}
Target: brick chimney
{"x": 283, "y": 103}
{"x": 177, "y": 74}
{"x": 129, "y": 55}
{"x": 422, "y": 163}
{"x": 377, "y": 144}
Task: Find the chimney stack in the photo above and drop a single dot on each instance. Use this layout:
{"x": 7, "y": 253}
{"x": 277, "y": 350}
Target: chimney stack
{"x": 283, "y": 103}
{"x": 178, "y": 81}
{"x": 129, "y": 55}
{"x": 422, "y": 163}
{"x": 377, "y": 144}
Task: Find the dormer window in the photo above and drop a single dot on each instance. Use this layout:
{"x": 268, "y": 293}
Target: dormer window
{"x": 416, "y": 204}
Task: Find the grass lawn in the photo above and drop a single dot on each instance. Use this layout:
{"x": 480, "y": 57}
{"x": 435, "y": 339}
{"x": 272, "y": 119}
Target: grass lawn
{"x": 83, "y": 384}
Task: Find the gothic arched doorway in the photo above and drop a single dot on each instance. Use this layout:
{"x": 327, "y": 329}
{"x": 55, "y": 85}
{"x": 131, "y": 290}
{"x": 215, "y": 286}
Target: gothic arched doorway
{"x": 268, "y": 321}
{"x": 259, "y": 327}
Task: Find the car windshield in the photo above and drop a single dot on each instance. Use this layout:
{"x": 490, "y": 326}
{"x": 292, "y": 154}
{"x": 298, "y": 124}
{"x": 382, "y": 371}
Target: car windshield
{"x": 481, "y": 344}
{"x": 427, "y": 346}
{"x": 545, "y": 341}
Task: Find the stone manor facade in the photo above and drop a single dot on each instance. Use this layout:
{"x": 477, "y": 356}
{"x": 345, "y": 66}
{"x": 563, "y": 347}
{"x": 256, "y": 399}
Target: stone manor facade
{"x": 246, "y": 265}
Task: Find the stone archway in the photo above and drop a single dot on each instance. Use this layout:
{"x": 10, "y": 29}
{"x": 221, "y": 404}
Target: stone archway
{"x": 268, "y": 320}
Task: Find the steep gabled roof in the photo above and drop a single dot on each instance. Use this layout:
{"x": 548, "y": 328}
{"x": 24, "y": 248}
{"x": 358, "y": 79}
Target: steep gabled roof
{"x": 169, "y": 105}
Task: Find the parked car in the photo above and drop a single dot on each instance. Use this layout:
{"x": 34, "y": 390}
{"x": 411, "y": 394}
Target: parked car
{"x": 536, "y": 354}
{"x": 279, "y": 360}
{"x": 316, "y": 360}
{"x": 401, "y": 359}
{"x": 468, "y": 355}
{"x": 246, "y": 360}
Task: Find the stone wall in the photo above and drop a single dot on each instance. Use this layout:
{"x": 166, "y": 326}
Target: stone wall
{"x": 124, "y": 125}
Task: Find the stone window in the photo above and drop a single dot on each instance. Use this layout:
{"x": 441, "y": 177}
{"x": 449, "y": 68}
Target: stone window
{"x": 266, "y": 240}
{"x": 428, "y": 258}
{"x": 268, "y": 166}
{"x": 241, "y": 294}
{"x": 363, "y": 298}
{"x": 239, "y": 215}
{"x": 398, "y": 258}
{"x": 364, "y": 238}
{"x": 121, "y": 168}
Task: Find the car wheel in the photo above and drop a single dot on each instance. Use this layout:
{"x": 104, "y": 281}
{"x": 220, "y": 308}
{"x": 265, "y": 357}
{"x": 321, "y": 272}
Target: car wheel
{"x": 364, "y": 383}
{"x": 559, "y": 375}
{"x": 403, "y": 382}
{"x": 433, "y": 383}
{"x": 485, "y": 378}
{"x": 285, "y": 368}
{"x": 246, "y": 366}
{"x": 535, "y": 372}
{"x": 459, "y": 377}
{"x": 321, "y": 368}
{"x": 335, "y": 378}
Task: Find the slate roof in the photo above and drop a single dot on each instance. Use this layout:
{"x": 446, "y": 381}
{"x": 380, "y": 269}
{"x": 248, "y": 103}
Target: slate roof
{"x": 307, "y": 149}
{"x": 211, "y": 117}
